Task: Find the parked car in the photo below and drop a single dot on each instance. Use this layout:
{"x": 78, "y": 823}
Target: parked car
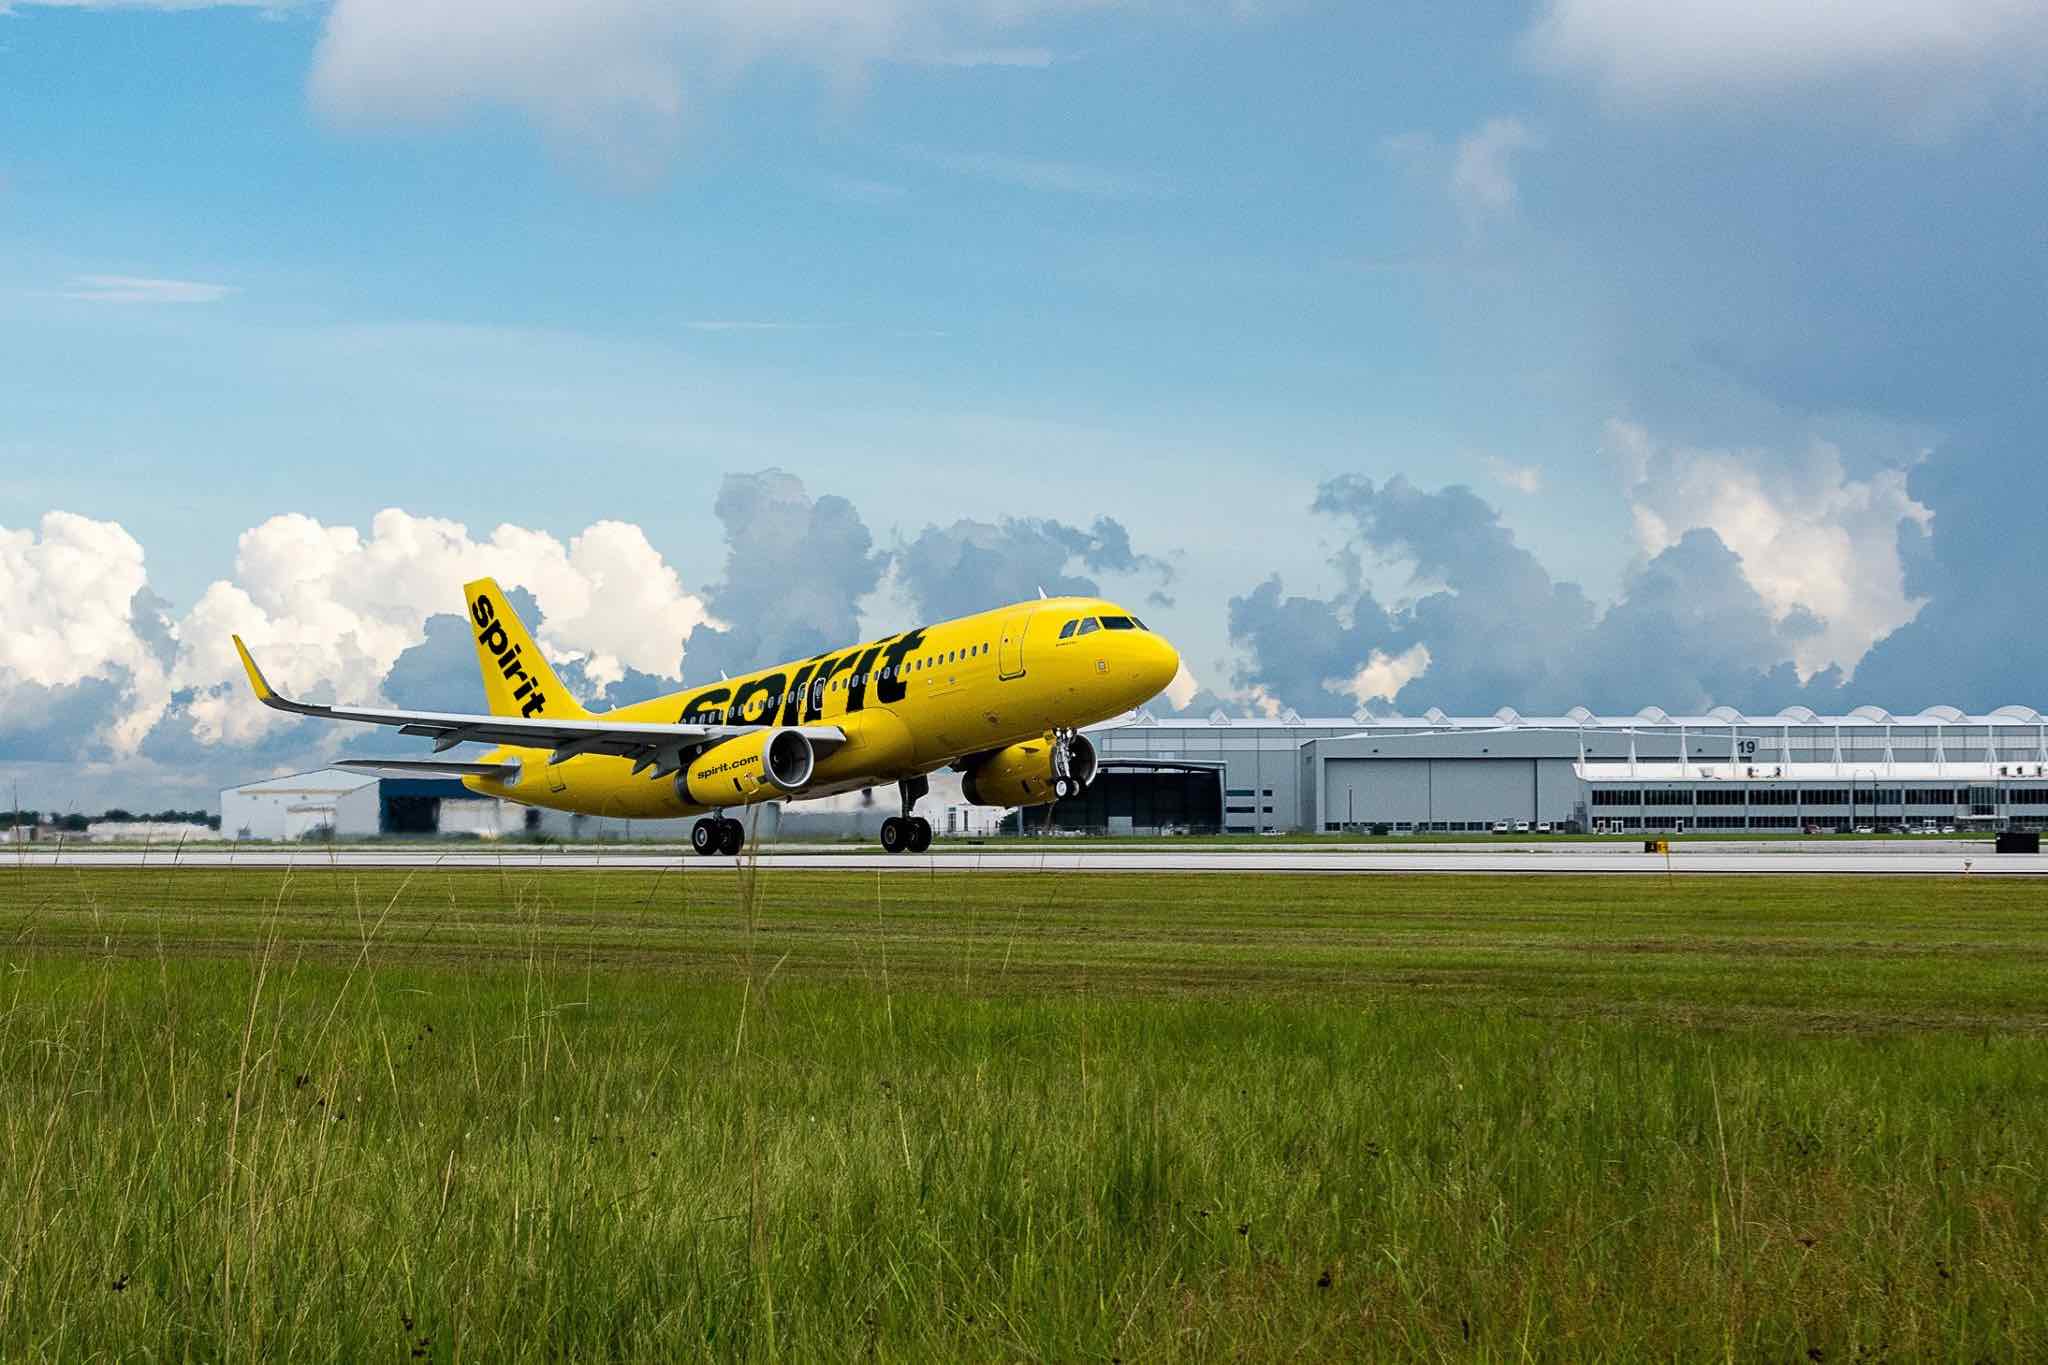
{"x": 1521, "y": 826}
{"x": 1500, "y": 827}
{"x": 1543, "y": 827}
{"x": 1948, "y": 829}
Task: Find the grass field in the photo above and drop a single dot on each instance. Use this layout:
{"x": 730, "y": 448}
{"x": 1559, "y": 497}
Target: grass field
{"x": 352, "y": 1116}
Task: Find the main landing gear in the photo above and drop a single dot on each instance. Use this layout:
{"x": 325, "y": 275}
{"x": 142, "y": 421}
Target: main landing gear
{"x": 908, "y": 833}
{"x": 716, "y": 834}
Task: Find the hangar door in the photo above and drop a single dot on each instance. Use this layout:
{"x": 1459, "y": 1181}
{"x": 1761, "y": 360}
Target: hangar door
{"x": 1137, "y": 800}
{"x": 1426, "y": 791}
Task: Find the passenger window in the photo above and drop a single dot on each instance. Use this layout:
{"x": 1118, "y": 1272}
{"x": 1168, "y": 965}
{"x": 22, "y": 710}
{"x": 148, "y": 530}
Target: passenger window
{"x": 1088, "y": 627}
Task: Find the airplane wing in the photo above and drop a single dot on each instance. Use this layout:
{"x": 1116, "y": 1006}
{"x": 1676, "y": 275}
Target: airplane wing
{"x": 664, "y": 748}
{"x": 427, "y": 767}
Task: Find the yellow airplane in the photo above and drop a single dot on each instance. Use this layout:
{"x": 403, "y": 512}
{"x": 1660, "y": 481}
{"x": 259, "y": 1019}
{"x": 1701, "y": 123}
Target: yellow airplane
{"x": 1000, "y": 696}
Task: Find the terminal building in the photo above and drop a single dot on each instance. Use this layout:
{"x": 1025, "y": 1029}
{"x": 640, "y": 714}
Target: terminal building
{"x": 1435, "y": 773}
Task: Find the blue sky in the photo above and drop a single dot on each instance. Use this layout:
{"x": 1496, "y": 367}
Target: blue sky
{"x": 1765, "y": 275}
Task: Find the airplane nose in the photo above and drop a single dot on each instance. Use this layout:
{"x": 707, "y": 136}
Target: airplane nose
{"x": 1160, "y": 665}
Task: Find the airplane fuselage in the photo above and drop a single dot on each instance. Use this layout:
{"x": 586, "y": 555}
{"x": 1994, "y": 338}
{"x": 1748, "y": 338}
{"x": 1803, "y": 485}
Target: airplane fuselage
{"x": 909, "y": 704}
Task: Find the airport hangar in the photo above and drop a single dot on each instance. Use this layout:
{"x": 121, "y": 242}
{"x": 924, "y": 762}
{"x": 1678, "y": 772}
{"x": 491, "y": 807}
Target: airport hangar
{"x": 1722, "y": 771}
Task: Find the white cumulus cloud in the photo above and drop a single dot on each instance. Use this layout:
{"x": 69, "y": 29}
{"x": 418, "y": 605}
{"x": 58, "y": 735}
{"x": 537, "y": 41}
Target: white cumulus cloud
{"x": 327, "y": 609}
{"x": 1523, "y": 478}
{"x": 619, "y": 76}
{"x": 1482, "y": 174}
{"x": 69, "y": 592}
{"x": 1808, "y": 534}
{"x": 1384, "y": 675}
{"x": 1936, "y": 59}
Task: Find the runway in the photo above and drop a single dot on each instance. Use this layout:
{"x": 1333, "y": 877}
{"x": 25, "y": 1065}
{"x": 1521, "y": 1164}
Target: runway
{"x": 1557, "y": 859}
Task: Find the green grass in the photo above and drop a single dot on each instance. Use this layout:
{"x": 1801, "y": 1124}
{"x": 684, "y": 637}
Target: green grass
{"x": 462, "y": 1115}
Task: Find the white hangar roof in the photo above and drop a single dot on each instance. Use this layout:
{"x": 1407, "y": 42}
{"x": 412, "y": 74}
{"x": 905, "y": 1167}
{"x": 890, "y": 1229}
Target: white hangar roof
{"x": 321, "y": 782}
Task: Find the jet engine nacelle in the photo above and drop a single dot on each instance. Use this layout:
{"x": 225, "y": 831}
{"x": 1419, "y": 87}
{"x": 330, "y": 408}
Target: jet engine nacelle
{"x": 1027, "y": 773}
{"x": 757, "y": 767}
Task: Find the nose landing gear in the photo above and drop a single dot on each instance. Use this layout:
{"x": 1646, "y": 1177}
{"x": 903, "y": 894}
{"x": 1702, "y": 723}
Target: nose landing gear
{"x": 716, "y": 834}
{"x": 1070, "y": 772}
{"x": 908, "y": 833}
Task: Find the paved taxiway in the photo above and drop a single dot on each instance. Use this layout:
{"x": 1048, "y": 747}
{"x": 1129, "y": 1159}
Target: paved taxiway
{"x": 1581, "y": 859}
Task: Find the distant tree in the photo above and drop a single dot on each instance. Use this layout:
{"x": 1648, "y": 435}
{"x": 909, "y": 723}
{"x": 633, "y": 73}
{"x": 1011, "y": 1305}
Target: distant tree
{"x": 117, "y": 814}
{"x": 10, "y": 818}
{"x": 184, "y": 817}
{"x": 74, "y": 823}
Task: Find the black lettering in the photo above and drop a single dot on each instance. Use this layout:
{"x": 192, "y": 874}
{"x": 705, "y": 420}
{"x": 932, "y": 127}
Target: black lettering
{"x": 494, "y": 638}
{"x": 534, "y": 703}
{"x": 793, "y": 702}
{"x": 891, "y": 688}
{"x": 508, "y": 662}
{"x": 481, "y": 612}
{"x": 765, "y": 686}
{"x": 821, "y": 683}
{"x": 857, "y": 686}
{"x": 702, "y": 709}
{"x": 525, "y": 686}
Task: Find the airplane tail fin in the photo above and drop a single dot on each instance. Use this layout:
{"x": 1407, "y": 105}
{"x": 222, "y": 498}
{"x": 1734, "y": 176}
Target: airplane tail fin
{"x": 517, "y": 679}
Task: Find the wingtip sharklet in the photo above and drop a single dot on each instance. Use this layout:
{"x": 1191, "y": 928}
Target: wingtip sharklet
{"x": 264, "y": 692}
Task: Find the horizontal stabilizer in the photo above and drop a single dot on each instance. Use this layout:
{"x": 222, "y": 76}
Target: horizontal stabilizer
{"x": 429, "y": 767}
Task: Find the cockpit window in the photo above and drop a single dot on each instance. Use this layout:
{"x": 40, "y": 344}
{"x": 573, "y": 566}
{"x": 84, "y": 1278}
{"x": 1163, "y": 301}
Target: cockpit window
{"x": 1067, "y": 630}
{"x": 1088, "y": 626}
{"x": 1118, "y": 623}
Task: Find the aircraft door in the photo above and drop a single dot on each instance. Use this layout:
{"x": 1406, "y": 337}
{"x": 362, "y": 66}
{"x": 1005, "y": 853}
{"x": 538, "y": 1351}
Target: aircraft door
{"x": 1010, "y": 654}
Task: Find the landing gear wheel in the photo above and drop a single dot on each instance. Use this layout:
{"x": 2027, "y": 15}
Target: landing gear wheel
{"x": 920, "y": 834}
{"x": 895, "y": 834}
{"x": 732, "y": 837}
{"x": 705, "y": 836}
{"x": 1064, "y": 787}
